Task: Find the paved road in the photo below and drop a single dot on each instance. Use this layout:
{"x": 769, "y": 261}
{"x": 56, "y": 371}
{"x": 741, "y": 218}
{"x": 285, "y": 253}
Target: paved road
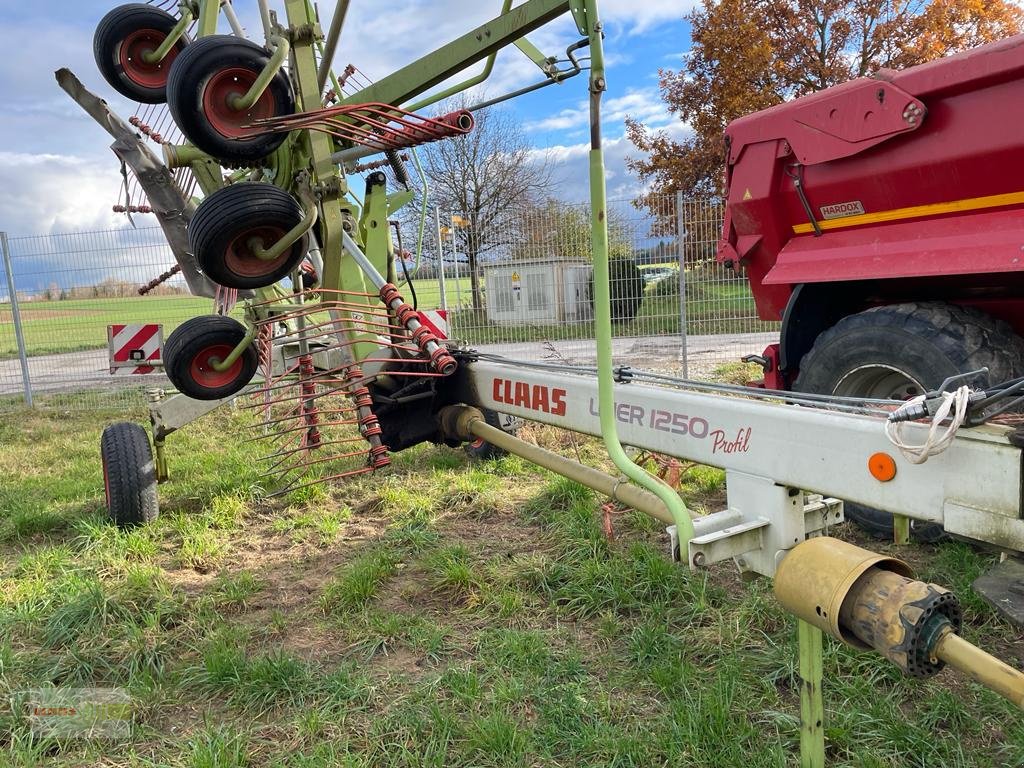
{"x": 88, "y": 370}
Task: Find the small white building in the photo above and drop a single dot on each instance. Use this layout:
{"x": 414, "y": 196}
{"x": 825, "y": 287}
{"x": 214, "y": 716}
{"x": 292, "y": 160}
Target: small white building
{"x": 538, "y": 292}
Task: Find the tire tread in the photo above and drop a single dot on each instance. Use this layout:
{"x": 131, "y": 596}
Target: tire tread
{"x": 199, "y": 332}
{"x": 971, "y": 339}
{"x": 131, "y": 474}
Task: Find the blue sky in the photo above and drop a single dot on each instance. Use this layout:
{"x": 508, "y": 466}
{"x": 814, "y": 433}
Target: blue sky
{"x": 58, "y": 175}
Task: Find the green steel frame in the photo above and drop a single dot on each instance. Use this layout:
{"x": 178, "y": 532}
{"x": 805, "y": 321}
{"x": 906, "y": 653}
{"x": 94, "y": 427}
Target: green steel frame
{"x": 305, "y": 166}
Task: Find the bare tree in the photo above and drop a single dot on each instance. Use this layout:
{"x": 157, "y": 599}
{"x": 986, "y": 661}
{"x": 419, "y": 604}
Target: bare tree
{"x": 487, "y": 178}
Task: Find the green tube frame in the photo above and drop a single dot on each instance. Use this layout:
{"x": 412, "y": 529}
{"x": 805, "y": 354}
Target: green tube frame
{"x": 172, "y": 38}
{"x": 602, "y": 297}
{"x": 281, "y": 50}
{"x": 289, "y": 239}
{"x": 236, "y": 353}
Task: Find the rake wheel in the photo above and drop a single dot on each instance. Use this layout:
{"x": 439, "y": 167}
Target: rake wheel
{"x": 233, "y": 222}
{"x": 204, "y": 79}
{"x": 122, "y": 38}
{"x": 196, "y": 345}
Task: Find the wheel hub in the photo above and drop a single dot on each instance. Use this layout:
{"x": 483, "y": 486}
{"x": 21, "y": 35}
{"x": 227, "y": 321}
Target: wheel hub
{"x": 880, "y": 382}
{"x": 221, "y": 90}
{"x": 204, "y": 373}
{"x": 241, "y": 259}
{"x": 133, "y": 55}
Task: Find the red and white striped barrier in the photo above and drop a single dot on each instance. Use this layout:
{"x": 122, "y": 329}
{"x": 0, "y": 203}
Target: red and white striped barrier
{"x": 436, "y": 320}
{"x": 135, "y": 349}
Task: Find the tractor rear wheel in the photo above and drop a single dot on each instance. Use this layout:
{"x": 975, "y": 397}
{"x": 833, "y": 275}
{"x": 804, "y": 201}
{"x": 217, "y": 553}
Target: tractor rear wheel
{"x": 122, "y": 40}
{"x": 899, "y": 351}
{"x": 233, "y": 222}
{"x": 204, "y": 79}
{"x": 129, "y": 475}
{"x": 196, "y": 346}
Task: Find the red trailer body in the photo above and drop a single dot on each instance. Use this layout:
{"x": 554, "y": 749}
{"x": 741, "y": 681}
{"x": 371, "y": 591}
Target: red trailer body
{"x": 899, "y": 188}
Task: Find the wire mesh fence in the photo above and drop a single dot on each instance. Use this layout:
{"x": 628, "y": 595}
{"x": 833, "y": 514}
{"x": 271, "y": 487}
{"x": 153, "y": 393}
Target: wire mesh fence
{"x": 522, "y": 287}
{"x": 68, "y": 289}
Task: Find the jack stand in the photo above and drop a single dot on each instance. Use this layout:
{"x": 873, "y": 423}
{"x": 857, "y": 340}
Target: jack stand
{"x": 901, "y": 529}
{"x": 812, "y": 703}
{"x": 163, "y": 473}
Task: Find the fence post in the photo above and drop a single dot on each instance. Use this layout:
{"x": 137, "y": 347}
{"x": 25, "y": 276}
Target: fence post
{"x": 19, "y": 334}
{"x": 455, "y": 257}
{"x": 680, "y": 231}
{"x": 440, "y": 259}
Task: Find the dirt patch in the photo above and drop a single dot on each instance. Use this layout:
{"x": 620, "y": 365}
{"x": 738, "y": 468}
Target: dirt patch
{"x": 188, "y": 580}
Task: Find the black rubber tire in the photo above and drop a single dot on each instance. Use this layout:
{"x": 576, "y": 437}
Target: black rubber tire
{"x": 224, "y": 222}
{"x": 188, "y": 348}
{"x": 928, "y": 341}
{"x": 111, "y": 33}
{"x": 129, "y": 475}
{"x": 481, "y": 450}
{"x": 190, "y": 77}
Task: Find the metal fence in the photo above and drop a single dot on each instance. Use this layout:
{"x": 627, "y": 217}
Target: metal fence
{"x": 674, "y": 308}
{"x": 522, "y": 287}
{"x": 64, "y": 290}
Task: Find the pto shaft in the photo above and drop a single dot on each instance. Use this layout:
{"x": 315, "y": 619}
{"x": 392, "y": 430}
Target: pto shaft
{"x": 983, "y": 668}
{"x": 872, "y": 602}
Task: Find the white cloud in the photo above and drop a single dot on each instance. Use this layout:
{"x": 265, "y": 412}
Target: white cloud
{"x": 45, "y": 193}
{"x": 643, "y": 105}
{"x": 569, "y": 165}
{"x": 646, "y": 14}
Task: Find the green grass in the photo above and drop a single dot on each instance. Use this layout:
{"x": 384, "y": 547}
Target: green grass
{"x": 446, "y": 614}
{"x": 714, "y": 305}
{"x": 71, "y": 326}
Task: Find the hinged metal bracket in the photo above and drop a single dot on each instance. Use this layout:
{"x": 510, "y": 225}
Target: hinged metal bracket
{"x": 579, "y": 15}
{"x": 306, "y": 33}
{"x": 762, "y": 523}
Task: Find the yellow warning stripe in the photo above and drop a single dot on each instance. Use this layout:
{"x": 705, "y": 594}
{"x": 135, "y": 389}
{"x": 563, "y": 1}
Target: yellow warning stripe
{"x": 915, "y": 211}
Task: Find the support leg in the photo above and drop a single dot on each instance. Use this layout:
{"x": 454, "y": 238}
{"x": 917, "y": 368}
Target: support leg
{"x": 901, "y": 529}
{"x": 812, "y": 704}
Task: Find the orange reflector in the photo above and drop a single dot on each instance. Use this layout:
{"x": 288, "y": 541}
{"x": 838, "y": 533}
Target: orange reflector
{"x": 882, "y": 467}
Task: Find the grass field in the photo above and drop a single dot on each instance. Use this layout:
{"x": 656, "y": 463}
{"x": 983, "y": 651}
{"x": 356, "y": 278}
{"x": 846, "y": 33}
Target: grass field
{"x": 75, "y": 325}
{"x": 445, "y": 614}
{"x": 71, "y": 326}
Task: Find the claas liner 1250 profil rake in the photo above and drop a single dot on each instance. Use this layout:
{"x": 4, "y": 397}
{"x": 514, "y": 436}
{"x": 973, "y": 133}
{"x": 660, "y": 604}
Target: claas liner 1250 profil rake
{"x": 265, "y": 133}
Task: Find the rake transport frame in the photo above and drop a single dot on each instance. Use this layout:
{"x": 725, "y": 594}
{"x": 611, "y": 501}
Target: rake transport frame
{"x": 347, "y": 334}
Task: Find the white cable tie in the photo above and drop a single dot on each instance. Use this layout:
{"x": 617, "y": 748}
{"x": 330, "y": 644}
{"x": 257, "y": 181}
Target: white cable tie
{"x": 935, "y": 443}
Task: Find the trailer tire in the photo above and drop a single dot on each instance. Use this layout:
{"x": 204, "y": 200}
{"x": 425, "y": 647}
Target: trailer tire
{"x": 901, "y": 350}
{"x": 480, "y": 449}
{"x": 202, "y": 79}
{"x": 129, "y": 475}
{"x": 192, "y": 346}
{"x": 228, "y": 219}
{"x": 121, "y": 37}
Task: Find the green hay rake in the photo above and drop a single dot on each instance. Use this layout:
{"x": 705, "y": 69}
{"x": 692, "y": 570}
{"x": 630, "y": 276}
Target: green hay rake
{"x": 270, "y": 136}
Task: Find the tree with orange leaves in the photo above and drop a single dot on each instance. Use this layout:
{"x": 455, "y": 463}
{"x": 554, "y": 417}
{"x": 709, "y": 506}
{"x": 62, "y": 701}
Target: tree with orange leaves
{"x": 729, "y": 72}
{"x": 751, "y": 54}
{"x": 947, "y": 26}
